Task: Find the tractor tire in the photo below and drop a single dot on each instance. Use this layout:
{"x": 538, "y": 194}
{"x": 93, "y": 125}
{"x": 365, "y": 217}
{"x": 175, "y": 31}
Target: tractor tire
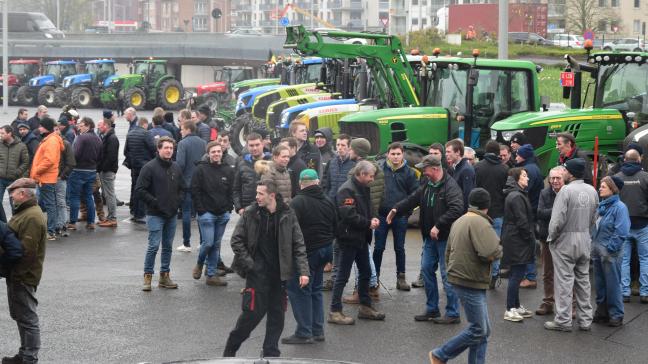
{"x": 46, "y": 96}
{"x": 241, "y": 127}
{"x": 13, "y": 95}
{"x": 61, "y": 96}
{"x": 135, "y": 98}
{"x": 81, "y": 97}
{"x": 25, "y": 97}
{"x": 170, "y": 94}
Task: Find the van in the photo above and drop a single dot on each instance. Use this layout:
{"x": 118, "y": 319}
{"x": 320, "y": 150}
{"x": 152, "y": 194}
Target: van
{"x": 31, "y": 25}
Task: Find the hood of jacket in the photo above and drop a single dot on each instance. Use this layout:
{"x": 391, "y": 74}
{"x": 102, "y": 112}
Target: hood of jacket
{"x": 248, "y": 157}
{"x": 511, "y": 186}
{"x": 492, "y": 158}
{"x": 630, "y": 168}
{"x": 314, "y": 191}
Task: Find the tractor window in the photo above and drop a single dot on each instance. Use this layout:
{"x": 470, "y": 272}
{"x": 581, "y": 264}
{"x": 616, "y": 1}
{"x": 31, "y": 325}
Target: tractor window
{"x": 311, "y": 73}
{"x": 500, "y": 94}
{"x": 53, "y": 69}
{"x": 68, "y": 69}
{"x": 141, "y": 68}
{"x": 17, "y": 69}
{"x": 624, "y": 87}
{"x": 448, "y": 89}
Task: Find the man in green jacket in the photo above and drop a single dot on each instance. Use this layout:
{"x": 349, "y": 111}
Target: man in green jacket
{"x": 14, "y": 162}
{"x": 30, "y": 225}
{"x": 472, "y": 246}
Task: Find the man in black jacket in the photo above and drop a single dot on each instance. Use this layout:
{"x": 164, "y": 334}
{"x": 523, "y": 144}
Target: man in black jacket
{"x": 268, "y": 249}
{"x": 159, "y": 185}
{"x": 491, "y": 174}
{"x": 211, "y": 190}
{"x": 137, "y": 153}
{"x": 441, "y": 203}
{"x": 295, "y": 165}
{"x": 306, "y": 151}
{"x": 566, "y": 146}
{"x": 107, "y": 169}
{"x": 460, "y": 169}
{"x": 354, "y": 235}
{"x": 245, "y": 178}
{"x": 545, "y": 205}
{"x": 317, "y": 219}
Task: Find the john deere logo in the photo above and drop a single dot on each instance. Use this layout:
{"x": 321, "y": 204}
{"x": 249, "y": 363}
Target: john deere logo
{"x": 395, "y": 60}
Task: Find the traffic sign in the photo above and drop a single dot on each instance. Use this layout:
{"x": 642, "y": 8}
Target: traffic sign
{"x": 588, "y": 34}
{"x": 384, "y": 21}
{"x": 284, "y": 21}
{"x": 567, "y": 79}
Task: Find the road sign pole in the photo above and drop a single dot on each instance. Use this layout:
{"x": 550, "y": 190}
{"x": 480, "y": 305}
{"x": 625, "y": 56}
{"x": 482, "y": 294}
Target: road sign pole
{"x": 5, "y": 56}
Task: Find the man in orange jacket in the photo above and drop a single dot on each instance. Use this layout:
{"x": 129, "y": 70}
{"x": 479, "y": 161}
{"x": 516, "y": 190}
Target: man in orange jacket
{"x": 44, "y": 170}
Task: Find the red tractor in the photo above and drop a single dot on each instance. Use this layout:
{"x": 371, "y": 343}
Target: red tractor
{"x": 20, "y": 72}
{"x": 218, "y": 94}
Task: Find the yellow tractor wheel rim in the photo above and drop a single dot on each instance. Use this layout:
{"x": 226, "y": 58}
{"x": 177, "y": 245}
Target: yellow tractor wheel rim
{"x": 136, "y": 99}
{"x": 172, "y": 95}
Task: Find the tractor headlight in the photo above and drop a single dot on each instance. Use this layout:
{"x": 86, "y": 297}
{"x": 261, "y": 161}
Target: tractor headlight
{"x": 508, "y": 134}
{"x": 493, "y": 134}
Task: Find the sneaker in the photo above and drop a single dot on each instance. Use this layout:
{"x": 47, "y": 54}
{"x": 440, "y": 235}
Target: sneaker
{"x": 339, "y": 318}
{"x": 428, "y": 316}
{"x": 554, "y": 326}
{"x": 524, "y": 312}
{"x": 512, "y": 315}
{"x": 296, "y": 340}
{"x": 51, "y": 237}
{"x": 446, "y": 320}
{"x": 615, "y": 322}
{"x": 16, "y": 359}
{"x": 183, "y": 248}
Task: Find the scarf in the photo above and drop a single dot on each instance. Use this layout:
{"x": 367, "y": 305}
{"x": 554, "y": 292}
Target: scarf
{"x": 606, "y": 204}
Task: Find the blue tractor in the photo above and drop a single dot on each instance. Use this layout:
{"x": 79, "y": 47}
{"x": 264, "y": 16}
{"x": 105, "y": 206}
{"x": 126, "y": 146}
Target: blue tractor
{"x": 41, "y": 89}
{"x": 82, "y": 90}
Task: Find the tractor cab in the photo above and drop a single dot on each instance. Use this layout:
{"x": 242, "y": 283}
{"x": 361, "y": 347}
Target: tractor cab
{"x": 23, "y": 70}
{"x": 100, "y": 70}
{"x": 151, "y": 70}
{"x": 59, "y": 70}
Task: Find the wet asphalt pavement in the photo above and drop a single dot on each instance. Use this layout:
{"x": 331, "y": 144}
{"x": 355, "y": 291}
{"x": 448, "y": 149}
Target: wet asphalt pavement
{"x": 92, "y": 309}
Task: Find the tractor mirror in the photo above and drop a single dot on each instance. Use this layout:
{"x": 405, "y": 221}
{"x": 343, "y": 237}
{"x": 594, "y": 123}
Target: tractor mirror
{"x": 544, "y": 101}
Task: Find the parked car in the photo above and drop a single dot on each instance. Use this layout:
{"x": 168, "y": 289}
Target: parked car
{"x": 528, "y": 38}
{"x": 568, "y": 40}
{"x": 625, "y": 44}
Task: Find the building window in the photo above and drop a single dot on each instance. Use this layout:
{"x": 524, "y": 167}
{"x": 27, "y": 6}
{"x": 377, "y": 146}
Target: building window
{"x": 602, "y": 25}
{"x": 614, "y": 3}
{"x": 414, "y": 2}
{"x": 414, "y": 21}
{"x": 636, "y": 26}
{"x": 424, "y": 22}
{"x": 637, "y": 3}
{"x": 602, "y": 3}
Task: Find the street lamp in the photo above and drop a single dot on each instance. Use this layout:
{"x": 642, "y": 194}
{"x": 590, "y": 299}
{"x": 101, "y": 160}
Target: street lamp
{"x": 5, "y": 56}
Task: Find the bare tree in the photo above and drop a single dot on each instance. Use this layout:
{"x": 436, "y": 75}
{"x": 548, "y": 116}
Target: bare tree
{"x": 583, "y": 15}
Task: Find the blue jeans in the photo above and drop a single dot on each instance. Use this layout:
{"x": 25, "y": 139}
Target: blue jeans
{"x": 475, "y": 336}
{"x": 640, "y": 238}
{"x": 530, "y": 271}
{"x": 399, "y": 230}
{"x": 497, "y": 225}
{"x": 161, "y": 229}
{"x": 373, "y": 278}
{"x": 607, "y": 281}
{"x": 212, "y": 228}
{"x": 80, "y": 184}
{"x": 433, "y": 258}
{"x": 308, "y": 303}
{"x": 61, "y": 204}
{"x": 47, "y": 202}
{"x": 513, "y": 290}
{"x": 4, "y": 183}
{"x": 349, "y": 255}
{"x": 186, "y": 219}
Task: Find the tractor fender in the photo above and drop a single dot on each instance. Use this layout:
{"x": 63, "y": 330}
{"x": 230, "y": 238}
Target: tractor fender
{"x": 162, "y": 79}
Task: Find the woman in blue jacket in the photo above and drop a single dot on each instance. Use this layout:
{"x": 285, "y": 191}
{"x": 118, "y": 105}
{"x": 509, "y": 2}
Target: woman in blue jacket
{"x": 612, "y": 228}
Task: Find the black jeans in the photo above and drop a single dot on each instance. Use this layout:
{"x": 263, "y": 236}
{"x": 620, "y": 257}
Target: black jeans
{"x": 22, "y": 309}
{"x": 137, "y": 206}
{"x": 349, "y": 254}
{"x": 257, "y": 301}
{"x": 516, "y": 275}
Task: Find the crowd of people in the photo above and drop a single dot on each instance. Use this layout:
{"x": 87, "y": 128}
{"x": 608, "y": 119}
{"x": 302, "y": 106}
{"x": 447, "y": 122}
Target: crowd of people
{"x": 309, "y": 207}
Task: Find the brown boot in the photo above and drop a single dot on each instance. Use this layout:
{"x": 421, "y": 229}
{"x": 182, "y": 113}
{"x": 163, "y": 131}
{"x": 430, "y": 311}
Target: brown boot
{"x": 215, "y": 281}
{"x": 165, "y": 281}
{"x": 340, "y": 318}
{"x": 147, "y": 282}
{"x": 353, "y": 299}
{"x": 374, "y": 293}
{"x": 544, "y": 309}
{"x": 401, "y": 283}
{"x": 108, "y": 223}
{"x": 196, "y": 273}
{"x": 369, "y": 313}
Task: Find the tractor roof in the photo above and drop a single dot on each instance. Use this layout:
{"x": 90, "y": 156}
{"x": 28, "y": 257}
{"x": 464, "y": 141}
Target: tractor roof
{"x": 486, "y": 62}
{"x": 61, "y": 62}
{"x": 312, "y": 60}
{"x": 618, "y": 57}
{"x": 150, "y": 61}
{"x": 100, "y": 61}
{"x": 25, "y": 61}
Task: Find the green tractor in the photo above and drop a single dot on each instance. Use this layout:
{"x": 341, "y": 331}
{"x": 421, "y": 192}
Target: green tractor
{"x": 619, "y": 112}
{"x": 147, "y": 86}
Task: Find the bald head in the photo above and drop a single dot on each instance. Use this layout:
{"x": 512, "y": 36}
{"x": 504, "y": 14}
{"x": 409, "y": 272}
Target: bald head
{"x": 632, "y": 156}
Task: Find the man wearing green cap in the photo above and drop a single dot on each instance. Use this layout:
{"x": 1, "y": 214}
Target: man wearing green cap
{"x": 316, "y": 214}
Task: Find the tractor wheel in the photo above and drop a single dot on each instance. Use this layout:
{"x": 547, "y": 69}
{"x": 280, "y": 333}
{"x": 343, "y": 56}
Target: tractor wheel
{"x": 135, "y": 98}
{"x": 170, "y": 94}
{"x": 25, "y": 97}
{"x": 61, "y": 97}
{"x": 46, "y": 96}
{"x": 81, "y": 97}
{"x": 13, "y": 95}
{"x": 241, "y": 127}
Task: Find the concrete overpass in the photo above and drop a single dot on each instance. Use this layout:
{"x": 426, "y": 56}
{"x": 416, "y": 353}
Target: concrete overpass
{"x": 213, "y": 49}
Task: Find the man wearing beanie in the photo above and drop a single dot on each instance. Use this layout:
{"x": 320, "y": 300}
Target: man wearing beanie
{"x": 635, "y": 195}
{"x": 472, "y": 246}
{"x": 518, "y": 140}
{"x": 526, "y": 158}
{"x": 317, "y": 216}
{"x": 573, "y": 216}
{"x": 202, "y": 126}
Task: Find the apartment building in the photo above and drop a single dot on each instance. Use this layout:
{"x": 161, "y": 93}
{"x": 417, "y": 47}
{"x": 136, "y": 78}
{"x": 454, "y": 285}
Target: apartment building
{"x": 185, "y": 15}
